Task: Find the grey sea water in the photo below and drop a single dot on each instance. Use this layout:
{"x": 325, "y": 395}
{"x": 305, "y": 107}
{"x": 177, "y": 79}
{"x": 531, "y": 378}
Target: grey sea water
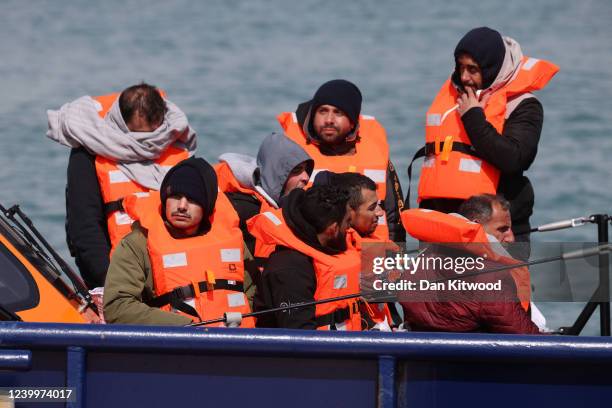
{"x": 232, "y": 66}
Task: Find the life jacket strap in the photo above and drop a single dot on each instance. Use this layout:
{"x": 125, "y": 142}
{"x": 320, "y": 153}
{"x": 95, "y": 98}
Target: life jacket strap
{"x": 337, "y": 316}
{"x": 430, "y": 149}
{"x": 178, "y": 295}
{"x": 113, "y": 206}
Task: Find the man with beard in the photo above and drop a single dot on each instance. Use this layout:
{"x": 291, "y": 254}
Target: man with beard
{"x": 483, "y": 127}
{"x": 255, "y": 185}
{"x": 365, "y": 211}
{"x": 311, "y": 262}
{"x": 332, "y": 130}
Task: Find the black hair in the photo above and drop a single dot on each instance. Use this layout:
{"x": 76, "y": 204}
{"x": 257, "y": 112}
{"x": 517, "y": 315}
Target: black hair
{"x": 480, "y": 207}
{"x": 321, "y": 206}
{"x": 354, "y": 183}
{"x": 145, "y": 100}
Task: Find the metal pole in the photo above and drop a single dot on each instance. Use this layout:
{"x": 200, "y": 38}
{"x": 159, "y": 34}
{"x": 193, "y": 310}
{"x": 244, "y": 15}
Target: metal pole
{"x": 604, "y": 275}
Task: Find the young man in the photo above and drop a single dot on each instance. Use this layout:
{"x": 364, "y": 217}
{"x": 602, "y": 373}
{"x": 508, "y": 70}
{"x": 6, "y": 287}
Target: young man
{"x": 311, "y": 261}
{"x": 183, "y": 261}
{"x": 257, "y": 185}
{"x": 339, "y": 139}
{"x": 121, "y": 144}
{"x": 483, "y": 127}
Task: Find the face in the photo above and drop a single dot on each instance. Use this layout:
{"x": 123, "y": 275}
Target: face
{"x": 331, "y": 124}
{"x": 500, "y": 225}
{"x": 364, "y": 219}
{"x": 338, "y": 233}
{"x": 138, "y": 123}
{"x": 298, "y": 178}
{"x": 183, "y": 214}
{"x": 469, "y": 72}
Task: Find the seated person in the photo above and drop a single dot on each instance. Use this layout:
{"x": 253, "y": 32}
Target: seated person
{"x": 183, "y": 261}
{"x": 312, "y": 261}
{"x": 468, "y": 310}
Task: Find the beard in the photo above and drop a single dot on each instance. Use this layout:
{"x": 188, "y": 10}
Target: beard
{"x": 338, "y": 242}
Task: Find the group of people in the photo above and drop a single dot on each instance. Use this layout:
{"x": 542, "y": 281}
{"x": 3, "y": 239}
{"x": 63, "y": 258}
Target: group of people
{"x": 174, "y": 240}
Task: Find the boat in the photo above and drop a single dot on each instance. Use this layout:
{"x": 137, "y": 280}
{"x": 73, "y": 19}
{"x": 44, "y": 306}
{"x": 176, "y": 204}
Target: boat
{"x": 79, "y": 364}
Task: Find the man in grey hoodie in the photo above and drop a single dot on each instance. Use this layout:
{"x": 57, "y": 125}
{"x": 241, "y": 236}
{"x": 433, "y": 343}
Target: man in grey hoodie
{"x": 253, "y": 185}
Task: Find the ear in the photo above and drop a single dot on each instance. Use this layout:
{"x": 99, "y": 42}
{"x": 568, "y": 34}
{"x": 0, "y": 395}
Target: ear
{"x": 332, "y": 230}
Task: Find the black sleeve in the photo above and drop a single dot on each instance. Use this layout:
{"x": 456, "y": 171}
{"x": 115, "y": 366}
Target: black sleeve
{"x": 394, "y": 204}
{"x": 516, "y": 150}
{"x": 86, "y": 231}
{"x": 289, "y": 278}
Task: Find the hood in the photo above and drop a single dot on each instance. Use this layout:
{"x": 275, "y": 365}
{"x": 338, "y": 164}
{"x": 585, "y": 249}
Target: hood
{"x": 208, "y": 178}
{"x": 243, "y": 166}
{"x": 503, "y": 70}
{"x": 299, "y": 226}
{"x": 511, "y": 64}
{"x": 277, "y": 156}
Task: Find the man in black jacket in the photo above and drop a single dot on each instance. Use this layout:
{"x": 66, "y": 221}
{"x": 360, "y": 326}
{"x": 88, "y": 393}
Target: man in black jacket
{"x": 486, "y": 62}
{"x": 319, "y": 218}
{"x": 138, "y": 128}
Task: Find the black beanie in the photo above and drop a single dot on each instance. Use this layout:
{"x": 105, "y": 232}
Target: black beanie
{"x": 339, "y": 93}
{"x": 487, "y": 48}
{"x": 196, "y": 179}
{"x": 186, "y": 181}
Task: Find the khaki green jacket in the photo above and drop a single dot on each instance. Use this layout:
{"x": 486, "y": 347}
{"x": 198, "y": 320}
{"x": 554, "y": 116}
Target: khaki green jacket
{"x": 129, "y": 284}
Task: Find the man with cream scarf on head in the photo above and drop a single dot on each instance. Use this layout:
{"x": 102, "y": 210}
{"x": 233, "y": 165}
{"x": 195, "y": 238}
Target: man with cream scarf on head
{"x": 121, "y": 144}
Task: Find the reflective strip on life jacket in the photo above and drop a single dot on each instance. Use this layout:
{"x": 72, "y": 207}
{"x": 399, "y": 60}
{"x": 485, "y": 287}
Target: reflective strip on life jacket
{"x": 115, "y": 185}
{"x": 336, "y": 275}
{"x": 449, "y": 170}
{"x": 213, "y": 260}
{"x": 371, "y": 158}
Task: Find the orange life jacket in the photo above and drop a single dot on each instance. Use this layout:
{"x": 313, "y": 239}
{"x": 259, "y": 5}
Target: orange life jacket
{"x": 114, "y": 185}
{"x": 336, "y": 275}
{"x": 371, "y": 158}
{"x": 369, "y": 248}
{"x": 437, "y": 227}
{"x": 206, "y": 270}
{"x": 229, "y": 184}
{"x": 452, "y": 168}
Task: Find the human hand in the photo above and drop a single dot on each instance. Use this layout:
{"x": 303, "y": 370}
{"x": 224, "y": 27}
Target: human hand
{"x": 470, "y": 99}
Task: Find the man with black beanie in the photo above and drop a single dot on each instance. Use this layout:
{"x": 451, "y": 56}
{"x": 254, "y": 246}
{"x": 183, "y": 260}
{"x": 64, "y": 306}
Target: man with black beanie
{"x": 483, "y": 128}
{"x": 333, "y": 132}
{"x": 187, "y": 234}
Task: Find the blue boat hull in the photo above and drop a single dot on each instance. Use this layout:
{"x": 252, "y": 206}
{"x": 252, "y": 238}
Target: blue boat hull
{"x": 171, "y": 367}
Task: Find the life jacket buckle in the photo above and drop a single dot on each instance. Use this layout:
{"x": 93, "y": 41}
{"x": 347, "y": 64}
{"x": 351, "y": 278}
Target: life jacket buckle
{"x": 447, "y": 148}
{"x": 210, "y": 280}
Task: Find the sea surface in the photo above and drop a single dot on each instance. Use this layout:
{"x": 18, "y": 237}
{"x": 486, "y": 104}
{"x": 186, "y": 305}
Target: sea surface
{"x": 232, "y": 66}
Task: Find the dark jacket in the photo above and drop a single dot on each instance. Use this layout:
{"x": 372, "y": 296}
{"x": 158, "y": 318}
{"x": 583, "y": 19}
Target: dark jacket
{"x": 289, "y": 275}
{"x": 454, "y": 310}
{"x": 86, "y": 231}
{"x": 512, "y": 153}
